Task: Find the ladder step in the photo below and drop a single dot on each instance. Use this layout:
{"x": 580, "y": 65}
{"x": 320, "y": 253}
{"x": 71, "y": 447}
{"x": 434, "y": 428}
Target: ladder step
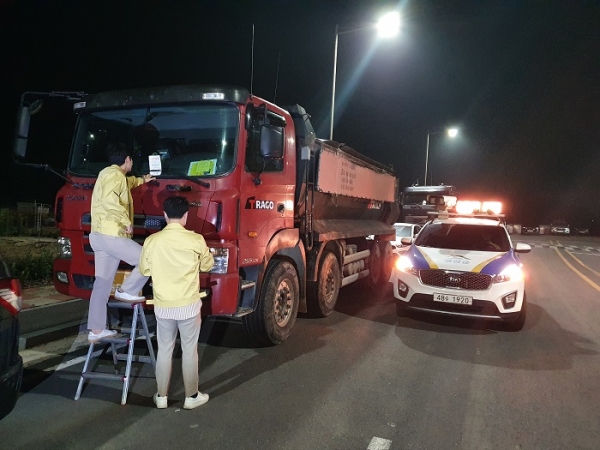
{"x": 134, "y": 358}
{"x": 123, "y": 305}
{"x": 114, "y": 340}
{"x": 102, "y": 376}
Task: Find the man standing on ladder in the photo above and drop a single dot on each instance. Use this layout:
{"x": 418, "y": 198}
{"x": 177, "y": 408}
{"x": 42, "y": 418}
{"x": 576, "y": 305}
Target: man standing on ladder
{"x": 110, "y": 238}
{"x": 173, "y": 258}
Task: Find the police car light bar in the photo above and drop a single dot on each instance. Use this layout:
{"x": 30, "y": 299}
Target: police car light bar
{"x": 477, "y": 207}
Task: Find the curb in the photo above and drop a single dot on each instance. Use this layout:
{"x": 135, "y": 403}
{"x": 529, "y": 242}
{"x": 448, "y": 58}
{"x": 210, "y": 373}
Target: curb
{"x": 51, "y": 322}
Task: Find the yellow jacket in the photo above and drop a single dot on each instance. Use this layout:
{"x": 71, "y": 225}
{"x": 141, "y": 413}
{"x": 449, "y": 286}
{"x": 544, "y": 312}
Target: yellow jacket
{"x": 173, "y": 258}
{"x": 112, "y": 205}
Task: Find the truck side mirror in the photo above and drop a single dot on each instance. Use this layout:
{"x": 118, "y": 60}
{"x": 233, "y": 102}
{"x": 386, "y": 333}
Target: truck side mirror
{"x": 22, "y": 128}
{"x": 271, "y": 142}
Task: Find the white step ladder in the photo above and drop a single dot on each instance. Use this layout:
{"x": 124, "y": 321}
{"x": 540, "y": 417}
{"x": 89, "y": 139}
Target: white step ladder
{"x": 138, "y": 314}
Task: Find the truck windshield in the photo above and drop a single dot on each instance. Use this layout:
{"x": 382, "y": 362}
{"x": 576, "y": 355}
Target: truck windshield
{"x": 191, "y": 140}
{"x": 415, "y": 199}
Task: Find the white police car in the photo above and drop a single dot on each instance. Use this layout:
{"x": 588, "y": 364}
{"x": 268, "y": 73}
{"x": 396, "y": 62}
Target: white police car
{"x": 463, "y": 266}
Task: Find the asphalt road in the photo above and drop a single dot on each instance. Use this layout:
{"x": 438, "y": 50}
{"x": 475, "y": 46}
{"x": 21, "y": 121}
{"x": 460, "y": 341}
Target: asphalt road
{"x": 360, "y": 379}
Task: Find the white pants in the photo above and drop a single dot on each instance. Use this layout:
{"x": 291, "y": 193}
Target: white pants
{"x": 166, "y": 334}
{"x": 109, "y": 251}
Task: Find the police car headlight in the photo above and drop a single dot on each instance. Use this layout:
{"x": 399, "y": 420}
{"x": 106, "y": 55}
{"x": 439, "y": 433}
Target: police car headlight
{"x": 404, "y": 264}
{"x": 221, "y": 257}
{"x": 513, "y": 272}
{"x": 64, "y": 247}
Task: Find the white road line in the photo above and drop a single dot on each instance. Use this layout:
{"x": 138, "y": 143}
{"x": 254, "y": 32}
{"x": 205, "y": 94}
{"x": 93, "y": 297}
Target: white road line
{"x": 379, "y": 444}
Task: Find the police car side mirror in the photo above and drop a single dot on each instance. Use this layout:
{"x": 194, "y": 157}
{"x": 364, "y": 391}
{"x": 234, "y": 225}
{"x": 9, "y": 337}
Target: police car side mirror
{"x": 521, "y": 247}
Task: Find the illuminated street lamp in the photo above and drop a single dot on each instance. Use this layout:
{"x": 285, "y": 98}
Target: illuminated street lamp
{"x": 388, "y": 26}
{"x": 451, "y": 132}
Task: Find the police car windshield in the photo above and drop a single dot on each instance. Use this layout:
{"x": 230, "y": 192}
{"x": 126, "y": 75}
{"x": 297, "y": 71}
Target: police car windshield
{"x": 454, "y": 236}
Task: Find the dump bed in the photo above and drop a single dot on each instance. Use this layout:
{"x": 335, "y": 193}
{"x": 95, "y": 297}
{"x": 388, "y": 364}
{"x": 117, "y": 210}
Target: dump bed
{"x": 353, "y": 195}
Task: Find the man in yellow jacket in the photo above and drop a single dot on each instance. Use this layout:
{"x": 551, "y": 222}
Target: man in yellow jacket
{"x": 110, "y": 238}
{"x": 173, "y": 258}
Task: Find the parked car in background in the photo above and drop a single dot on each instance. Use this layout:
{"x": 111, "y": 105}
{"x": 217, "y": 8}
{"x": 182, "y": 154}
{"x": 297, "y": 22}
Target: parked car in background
{"x": 404, "y": 230}
{"x": 11, "y": 363}
{"x": 530, "y": 229}
{"x": 463, "y": 267}
{"x": 581, "y": 231}
{"x": 560, "y": 227}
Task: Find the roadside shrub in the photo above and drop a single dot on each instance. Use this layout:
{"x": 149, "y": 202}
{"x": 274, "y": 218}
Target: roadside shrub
{"x": 33, "y": 270}
{"x": 9, "y": 222}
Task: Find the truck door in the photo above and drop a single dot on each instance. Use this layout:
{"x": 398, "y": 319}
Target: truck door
{"x": 267, "y": 186}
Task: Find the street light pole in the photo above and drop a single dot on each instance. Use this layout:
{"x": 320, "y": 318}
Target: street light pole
{"x": 335, "y": 52}
{"x": 452, "y": 132}
{"x": 388, "y": 26}
{"x": 426, "y": 159}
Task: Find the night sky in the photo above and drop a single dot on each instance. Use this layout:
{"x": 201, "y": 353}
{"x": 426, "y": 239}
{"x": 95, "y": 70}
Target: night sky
{"x": 520, "y": 78}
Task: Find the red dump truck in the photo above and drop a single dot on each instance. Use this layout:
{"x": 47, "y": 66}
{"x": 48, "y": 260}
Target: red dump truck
{"x": 289, "y": 218}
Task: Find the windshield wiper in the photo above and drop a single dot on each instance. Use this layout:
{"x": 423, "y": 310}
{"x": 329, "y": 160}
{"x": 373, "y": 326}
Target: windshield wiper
{"x": 202, "y": 183}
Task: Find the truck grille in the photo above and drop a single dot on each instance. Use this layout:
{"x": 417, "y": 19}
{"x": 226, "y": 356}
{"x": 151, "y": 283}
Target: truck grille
{"x": 455, "y": 280}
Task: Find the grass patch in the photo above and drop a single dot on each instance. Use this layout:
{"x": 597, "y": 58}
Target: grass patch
{"x": 33, "y": 269}
{"x": 29, "y": 259}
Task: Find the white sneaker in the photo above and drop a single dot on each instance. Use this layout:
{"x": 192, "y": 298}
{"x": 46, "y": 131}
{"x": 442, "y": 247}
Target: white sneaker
{"x": 160, "y": 402}
{"x": 191, "y": 402}
{"x": 93, "y": 337}
{"x": 125, "y": 297}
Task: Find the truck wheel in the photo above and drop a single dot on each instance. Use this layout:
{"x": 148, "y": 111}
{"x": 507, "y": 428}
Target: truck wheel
{"x": 277, "y": 308}
{"x": 324, "y": 292}
{"x": 387, "y": 261}
{"x": 375, "y": 266}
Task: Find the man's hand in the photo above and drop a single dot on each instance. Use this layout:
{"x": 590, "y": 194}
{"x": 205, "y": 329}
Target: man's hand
{"x": 148, "y": 177}
{"x": 129, "y": 229}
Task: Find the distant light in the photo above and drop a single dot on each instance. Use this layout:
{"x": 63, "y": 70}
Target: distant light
{"x": 389, "y": 24}
{"x": 452, "y": 132}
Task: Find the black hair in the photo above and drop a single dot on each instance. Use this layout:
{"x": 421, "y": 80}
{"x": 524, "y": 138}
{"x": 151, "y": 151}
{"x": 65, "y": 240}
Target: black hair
{"x": 175, "y": 207}
{"x": 117, "y": 153}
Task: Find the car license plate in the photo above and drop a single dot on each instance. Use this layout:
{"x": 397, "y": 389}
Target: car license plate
{"x": 458, "y": 299}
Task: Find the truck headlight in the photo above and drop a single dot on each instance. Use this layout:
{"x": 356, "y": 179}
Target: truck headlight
{"x": 64, "y": 247}
{"x": 221, "y": 257}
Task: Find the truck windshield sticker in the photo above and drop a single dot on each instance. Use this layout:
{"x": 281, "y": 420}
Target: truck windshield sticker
{"x": 203, "y": 167}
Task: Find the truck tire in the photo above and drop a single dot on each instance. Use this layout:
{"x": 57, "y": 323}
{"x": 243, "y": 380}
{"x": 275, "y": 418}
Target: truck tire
{"x": 387, "y": 261}
{"x": 275, "y": 315}
{"x": 323, "y": 293}
{"x": 375, "y": 267}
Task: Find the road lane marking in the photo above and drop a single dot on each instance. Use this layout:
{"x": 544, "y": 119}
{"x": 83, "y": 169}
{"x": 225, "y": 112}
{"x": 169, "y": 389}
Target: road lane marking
{"x": 570, "y": 266}
{"x": 582, "y": 263}
{"x": 379, "y": 444}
